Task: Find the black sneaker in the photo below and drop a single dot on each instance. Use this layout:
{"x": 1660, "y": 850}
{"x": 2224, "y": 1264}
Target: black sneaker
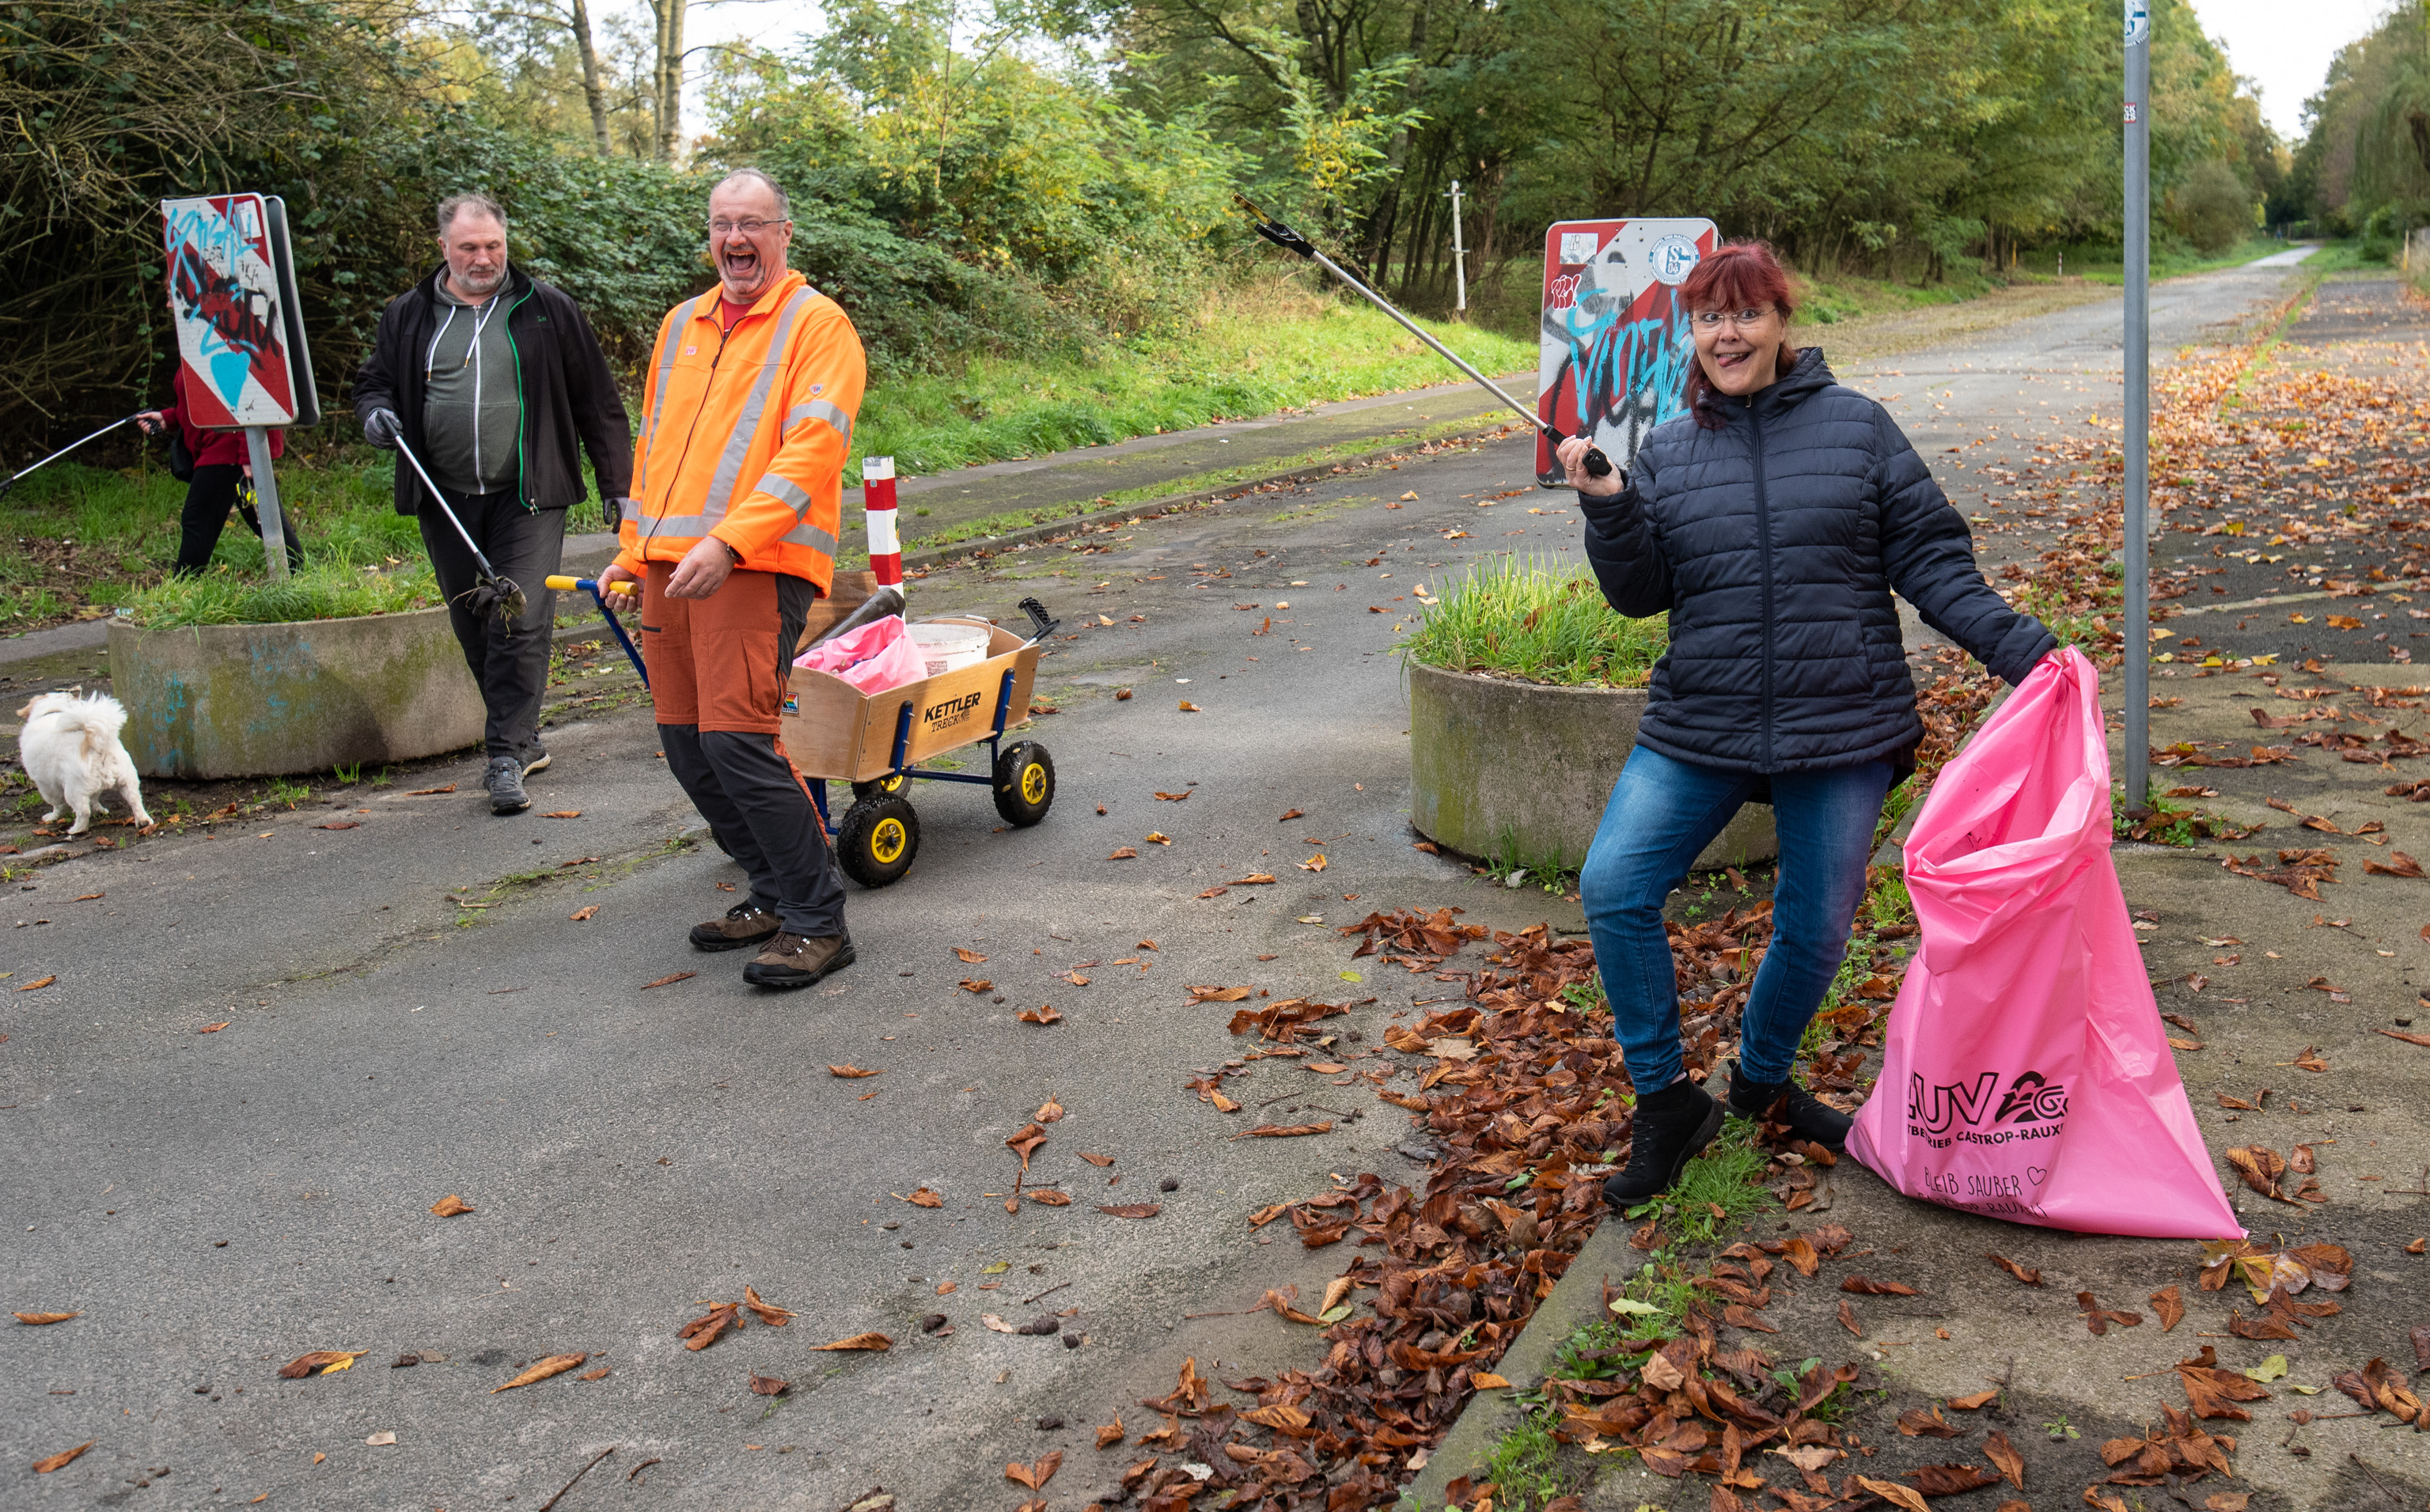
{"x": 506, "y": 784}
{"x": 745, "y": 923}
{"x": 1670, "y": 1127}
{"x": 536, "y": 758}
{"x": 790, "y": 960}
{"x": 1808, "y": 1116}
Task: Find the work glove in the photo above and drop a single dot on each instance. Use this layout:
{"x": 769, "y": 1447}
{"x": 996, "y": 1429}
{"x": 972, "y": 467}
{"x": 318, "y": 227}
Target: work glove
{"x": 382, "y": 427}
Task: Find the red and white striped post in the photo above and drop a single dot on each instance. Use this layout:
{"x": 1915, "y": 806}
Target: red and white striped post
{"x": 877, "y": 507}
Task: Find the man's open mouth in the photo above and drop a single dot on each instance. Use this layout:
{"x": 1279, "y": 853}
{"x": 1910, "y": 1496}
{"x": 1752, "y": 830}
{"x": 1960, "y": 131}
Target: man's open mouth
{"x": 738, "y": 264}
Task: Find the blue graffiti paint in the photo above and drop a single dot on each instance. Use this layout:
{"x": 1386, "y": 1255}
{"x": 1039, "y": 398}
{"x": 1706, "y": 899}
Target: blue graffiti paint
{"x": 1624, "y": 376}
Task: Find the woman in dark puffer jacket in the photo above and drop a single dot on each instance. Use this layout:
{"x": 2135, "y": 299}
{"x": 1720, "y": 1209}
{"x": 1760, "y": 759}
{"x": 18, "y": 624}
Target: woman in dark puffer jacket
{"x": 1772, "y": 521}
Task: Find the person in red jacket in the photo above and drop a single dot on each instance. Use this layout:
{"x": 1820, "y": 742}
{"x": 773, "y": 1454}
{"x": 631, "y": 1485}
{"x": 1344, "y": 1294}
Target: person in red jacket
{"x": 222, "y": 477}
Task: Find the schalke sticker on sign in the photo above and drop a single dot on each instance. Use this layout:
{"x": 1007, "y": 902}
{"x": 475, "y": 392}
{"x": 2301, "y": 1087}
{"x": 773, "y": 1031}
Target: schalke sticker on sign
{"x": 1614, "y": 343}
{"x": 232, "y": 303}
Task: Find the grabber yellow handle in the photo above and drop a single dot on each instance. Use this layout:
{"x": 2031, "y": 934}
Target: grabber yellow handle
{"x": 561, "y": 583}
{"x": 566, "y": 585}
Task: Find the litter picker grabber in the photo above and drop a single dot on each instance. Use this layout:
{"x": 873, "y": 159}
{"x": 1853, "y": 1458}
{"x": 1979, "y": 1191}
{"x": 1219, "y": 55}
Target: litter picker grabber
{"x": 624, "y": 591}
{"x": 489, "y": 592}
{"x": 63, "y": 451}
{"x": 1597, "y": 464}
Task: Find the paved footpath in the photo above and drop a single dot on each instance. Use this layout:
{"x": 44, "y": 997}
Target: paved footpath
{"x": 411, "y": 1010}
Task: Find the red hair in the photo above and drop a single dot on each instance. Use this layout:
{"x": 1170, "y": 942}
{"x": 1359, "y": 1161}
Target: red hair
{"x": 1734, "y": 275}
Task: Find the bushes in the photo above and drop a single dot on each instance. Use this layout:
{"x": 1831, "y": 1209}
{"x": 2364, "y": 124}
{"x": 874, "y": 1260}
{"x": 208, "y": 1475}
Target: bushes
{"x": 2212, "y": 209}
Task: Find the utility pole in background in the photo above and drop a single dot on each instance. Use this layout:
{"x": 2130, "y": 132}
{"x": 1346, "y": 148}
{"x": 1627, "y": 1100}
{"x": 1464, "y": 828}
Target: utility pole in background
{"x": 2138, "y": 403}
{"x": 1458, "y": 251}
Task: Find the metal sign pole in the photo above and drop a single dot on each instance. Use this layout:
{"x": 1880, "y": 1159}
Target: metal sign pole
{"x": 2138, "y": 403}
{"x": 265, "y": 502}
{"x": 1458, "y": 251}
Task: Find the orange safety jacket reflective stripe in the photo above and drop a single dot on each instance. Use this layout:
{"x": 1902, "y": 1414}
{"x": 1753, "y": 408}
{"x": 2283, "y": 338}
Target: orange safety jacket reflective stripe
{"x": 744, "y": 432}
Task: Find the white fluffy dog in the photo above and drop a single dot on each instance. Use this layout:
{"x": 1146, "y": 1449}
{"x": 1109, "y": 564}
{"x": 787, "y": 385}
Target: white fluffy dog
{"x": 70, "y": 747}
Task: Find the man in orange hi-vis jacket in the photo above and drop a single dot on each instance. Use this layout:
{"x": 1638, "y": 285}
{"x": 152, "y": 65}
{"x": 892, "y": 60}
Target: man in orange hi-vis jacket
{"x": 737, "y": 480}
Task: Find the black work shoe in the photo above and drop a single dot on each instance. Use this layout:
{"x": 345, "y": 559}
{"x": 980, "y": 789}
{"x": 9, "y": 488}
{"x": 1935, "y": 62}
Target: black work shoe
{"x": 506, "y": 784}
{"x": 792, "y": 961}
{"x": 1670, "y": 1127}
{"x": 745, "y": 923}
{"x": 536, "y": 758}
{"x": 1808, "y": 1116}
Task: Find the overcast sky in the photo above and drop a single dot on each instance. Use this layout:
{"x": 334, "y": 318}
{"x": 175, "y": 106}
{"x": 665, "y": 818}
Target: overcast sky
{"x": 2283, "y": 45}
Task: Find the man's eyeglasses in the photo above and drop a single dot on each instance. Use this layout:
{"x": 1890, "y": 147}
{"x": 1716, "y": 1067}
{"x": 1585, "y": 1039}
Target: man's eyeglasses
{"x": 1709, "y": 319}
{"x": 746, "y": 227}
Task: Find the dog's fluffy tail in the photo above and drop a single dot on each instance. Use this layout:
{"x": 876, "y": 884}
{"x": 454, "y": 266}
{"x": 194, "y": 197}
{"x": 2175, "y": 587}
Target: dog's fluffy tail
{"x": 99, "y": 717}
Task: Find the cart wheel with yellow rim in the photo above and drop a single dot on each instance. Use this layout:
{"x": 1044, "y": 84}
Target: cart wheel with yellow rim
{"x": 878, "y": 839}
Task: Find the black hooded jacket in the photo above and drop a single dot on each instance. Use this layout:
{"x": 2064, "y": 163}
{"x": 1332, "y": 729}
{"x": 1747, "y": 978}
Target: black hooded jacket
{"x": 570, "y": 402}
{"x": 1775, "y": 542}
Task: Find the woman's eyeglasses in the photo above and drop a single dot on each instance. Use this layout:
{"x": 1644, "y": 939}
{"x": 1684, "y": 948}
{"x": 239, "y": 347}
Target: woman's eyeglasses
{"x": 1709, "y": 319}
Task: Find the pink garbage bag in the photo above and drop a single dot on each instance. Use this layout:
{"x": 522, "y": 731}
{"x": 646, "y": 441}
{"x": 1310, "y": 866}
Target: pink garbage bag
{"x": 878, "y": 656}
{"x": 2026, "y": 1075}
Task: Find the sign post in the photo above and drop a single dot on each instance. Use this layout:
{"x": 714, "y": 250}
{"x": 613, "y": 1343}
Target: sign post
{"x": 1458, "y": 251}
{"x": 240, "y": 329}
{"x": 1613, "y": 343}
{"x": 2138, "y": 403}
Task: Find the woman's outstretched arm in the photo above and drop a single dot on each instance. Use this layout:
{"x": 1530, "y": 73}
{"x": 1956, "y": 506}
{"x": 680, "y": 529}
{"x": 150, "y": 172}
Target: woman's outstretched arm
{"x": 1929, "y": 555}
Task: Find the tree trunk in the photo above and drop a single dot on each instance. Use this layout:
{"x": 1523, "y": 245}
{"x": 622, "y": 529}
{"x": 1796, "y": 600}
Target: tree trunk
{"x": 592, "y": 90}
{"x": 670, "y": 76}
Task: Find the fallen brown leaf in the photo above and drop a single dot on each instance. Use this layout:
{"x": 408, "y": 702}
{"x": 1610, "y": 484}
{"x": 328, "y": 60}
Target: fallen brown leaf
{"x": 1036, "y": 1476}
{"x": 1217, "y": 994}
{"x": 1110, "y": 1434}
{"x": 2098, "y": 1318}
{"x": 1926, "y": 1422}
{"x": 1296, "y": 813}
{"x": 1025, "y": 1141}
{"x": 768, "y": 1386}
{"x": 214, "y": 1028}
{"x": 1049, "y": 1196}
{"x": 1052, "y": 1112}
{"x": 1043, "y": 1013}
{"x": 1124, "y": 852}
{"x": 1174, "y": 797}
{"x": 970, "y": 957}
{"x": 541, "y": 1370}
{"x": 1099, "y": 1161}
{"x": 702, "y": 1331}
{"x": 61, "y": 1460}
{"x": 1950, "y": 1480}
{"x": 584, "y": 915}
{"x": 669, "y": 980}
{"x": 921, "y": 1197}
{"x": 871, "y": 1340}
{"x": 430, "y": 792}
{"x": 1867, "y": 1286}
{"x": 37, "y": 984}
{"x": 1188, "y": 707}
{"x": 1132, "y": 1209}
{"x": 38, "y": 1319}
{"x": 450, "y": 1206}
{"x": 978, "y": 983}
{"x": 1799, "y": 1252}
{"x": 767, "y": 1312}
{"x": 1277, "y": 1131}
{"x": 1254, "y": 879}
{"x": 2170, "y": 1303}
{"x": 320, "y": 1361}
{"x": 1976, "y": 1401}
{"x": 2002, "y": 1453}
{"x": 851, "y": 1071}
{"x": 600, "y": 1374}
{"x": 1892, "y": 1492}
{"x": 1848, "y": 1320}
{"x": 563, "y": 813}
{"x": 2399, "y": 865}
{"x": 2031, "y": 1278}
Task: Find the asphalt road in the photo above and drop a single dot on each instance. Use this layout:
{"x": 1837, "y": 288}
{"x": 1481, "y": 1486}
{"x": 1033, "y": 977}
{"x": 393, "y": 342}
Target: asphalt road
{"x": 218, "y": 1202}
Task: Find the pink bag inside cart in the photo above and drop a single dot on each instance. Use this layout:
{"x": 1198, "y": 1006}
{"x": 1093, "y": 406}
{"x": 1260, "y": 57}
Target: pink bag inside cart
{"x": 878, "y": 656}
{"x": 2028, "y": 1075}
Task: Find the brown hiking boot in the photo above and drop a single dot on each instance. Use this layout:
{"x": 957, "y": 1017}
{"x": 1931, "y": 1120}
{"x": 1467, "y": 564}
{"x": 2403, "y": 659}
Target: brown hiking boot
{"x": 745, "y": 923}
{"x": 792, "y": 961}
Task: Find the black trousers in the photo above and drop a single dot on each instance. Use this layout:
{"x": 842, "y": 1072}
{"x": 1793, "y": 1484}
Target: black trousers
{"x": 208, "y": 497}
{"x": 762, "y": 816}
{"x": 510, "y": 660}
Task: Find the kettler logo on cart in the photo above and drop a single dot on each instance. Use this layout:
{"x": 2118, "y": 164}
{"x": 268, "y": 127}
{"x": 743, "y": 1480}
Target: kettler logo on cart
{"x": 1976, "y": 1112}
{"x": 952, "y": 711}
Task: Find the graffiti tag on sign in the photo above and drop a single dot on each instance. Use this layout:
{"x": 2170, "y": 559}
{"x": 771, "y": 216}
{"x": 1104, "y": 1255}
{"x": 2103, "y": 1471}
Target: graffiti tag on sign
{"x": 1613, "y": 345}
{"x": 224, "y": 305}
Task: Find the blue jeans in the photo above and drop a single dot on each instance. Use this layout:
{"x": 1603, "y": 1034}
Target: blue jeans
{"x": 1662, "y": 815}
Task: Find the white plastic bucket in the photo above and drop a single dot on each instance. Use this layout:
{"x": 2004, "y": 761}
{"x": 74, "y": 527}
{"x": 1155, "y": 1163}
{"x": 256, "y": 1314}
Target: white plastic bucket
{"x": 947, "y": 645}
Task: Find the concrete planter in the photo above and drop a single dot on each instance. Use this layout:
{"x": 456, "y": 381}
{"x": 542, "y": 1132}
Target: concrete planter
{"x": 255, "y": 699}
{"x": 1504, "y": 768}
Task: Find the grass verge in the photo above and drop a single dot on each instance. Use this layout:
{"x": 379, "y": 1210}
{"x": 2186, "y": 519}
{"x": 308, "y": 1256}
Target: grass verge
{"x": 322, "y": 590}
{"x": 1271, "y": 345}
{"x": 1540, "y": 622}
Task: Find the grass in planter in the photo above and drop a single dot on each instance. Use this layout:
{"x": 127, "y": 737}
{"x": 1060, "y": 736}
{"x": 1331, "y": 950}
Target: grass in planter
{"x": 322, "y": 590}
{"x": 1542, "y": 622}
